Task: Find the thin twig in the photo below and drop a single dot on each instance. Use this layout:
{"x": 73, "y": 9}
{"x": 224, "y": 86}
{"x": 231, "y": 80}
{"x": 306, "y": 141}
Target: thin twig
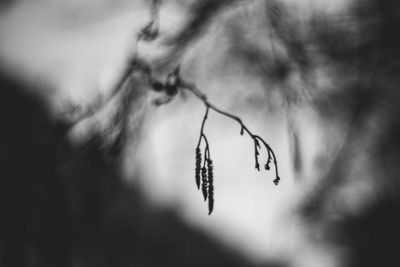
{"x": 202, "y": 128}
{"x": 271, "y": 155}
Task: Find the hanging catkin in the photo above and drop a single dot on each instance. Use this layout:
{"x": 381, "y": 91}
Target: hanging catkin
{"x": 204, "y": 182}
{"x": 210, "y": 186}
{"x": 198, "y": 167}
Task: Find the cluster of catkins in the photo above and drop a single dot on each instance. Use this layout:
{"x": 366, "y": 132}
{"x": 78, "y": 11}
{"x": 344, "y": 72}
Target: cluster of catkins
{"x": 204, "y": 174}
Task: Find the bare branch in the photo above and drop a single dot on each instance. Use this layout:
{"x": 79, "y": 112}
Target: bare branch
{"x": 271, "y": 155}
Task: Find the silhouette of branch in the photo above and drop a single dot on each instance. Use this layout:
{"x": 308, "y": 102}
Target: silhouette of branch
{"x": 256, "y": 138}
{"x": 206, "y": 172}
{"x": 140, "y": 69}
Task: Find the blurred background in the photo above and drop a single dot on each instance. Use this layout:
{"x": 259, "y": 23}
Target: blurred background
{"x": 63, "y": 203}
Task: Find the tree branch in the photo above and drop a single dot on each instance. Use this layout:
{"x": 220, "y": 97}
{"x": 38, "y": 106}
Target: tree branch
{"x": 271, "y": 155}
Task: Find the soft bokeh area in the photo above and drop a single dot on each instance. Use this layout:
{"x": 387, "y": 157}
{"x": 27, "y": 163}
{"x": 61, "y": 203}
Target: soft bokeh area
{"x": 71, "y": 53}
{"x": 316, "y": 79}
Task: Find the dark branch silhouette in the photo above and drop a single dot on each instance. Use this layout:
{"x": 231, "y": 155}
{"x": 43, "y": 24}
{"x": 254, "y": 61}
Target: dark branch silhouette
{"x": 173, "y": 83}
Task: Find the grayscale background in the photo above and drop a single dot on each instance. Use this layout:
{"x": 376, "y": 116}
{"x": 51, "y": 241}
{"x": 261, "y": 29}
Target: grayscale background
{"x": 317, "y": 79}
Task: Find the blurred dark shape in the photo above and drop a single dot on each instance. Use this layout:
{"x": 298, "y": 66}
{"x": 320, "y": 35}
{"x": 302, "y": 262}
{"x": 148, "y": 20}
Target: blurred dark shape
{"x": 33, "y": 211}
{"x": 358, "y": 51}
{"x": 149, "y": 33}
{"x": 203, "y": 13}
{"x": 61, "y": 206}
{"x": 172, "y": 82}
{"x": 374, "y": 237}
{"x": 367, "y": 57}
{"x": 6, "y": 3}
{"x": 360, "y": 47}
{"x": 157, "y": 86}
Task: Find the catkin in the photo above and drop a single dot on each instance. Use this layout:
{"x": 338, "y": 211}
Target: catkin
{"x": 198, "y": 167}
{"x": 210, "y": 186}
{"x": 204, "y": 180}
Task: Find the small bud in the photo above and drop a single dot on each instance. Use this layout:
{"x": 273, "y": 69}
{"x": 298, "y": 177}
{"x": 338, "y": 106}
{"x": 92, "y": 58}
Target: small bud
{"x": 157, "y": 86}
{"x": 172, "y": 82}
{"x": 266, "y": 166}
{"x": 171, "y": 90}
{"x": 277, "y": 179}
